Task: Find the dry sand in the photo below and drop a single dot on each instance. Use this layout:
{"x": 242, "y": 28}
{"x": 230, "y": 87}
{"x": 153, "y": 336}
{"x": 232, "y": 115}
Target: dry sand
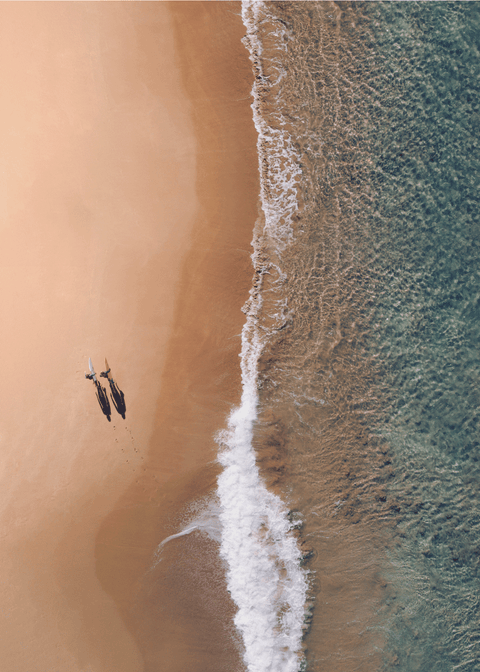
{"x": 129, "y": 193}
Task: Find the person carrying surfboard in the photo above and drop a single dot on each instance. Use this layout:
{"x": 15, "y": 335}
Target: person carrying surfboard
{"x": 106, "y": 374}
{"x": 100, "y": 392}
{"x": 116, "y": 394}
{"x": 92, "y": 375}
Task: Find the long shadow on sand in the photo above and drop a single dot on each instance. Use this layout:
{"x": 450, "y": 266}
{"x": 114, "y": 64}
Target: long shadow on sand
{"x": 102, "y": 397}
{"x": 118, "y": 398}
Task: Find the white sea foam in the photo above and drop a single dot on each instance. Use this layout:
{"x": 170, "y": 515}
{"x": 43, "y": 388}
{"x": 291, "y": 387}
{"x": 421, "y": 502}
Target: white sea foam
{"x": 202, "y": 516}
{"x": 264, "y": 574}
{"x": 278, "y": 160}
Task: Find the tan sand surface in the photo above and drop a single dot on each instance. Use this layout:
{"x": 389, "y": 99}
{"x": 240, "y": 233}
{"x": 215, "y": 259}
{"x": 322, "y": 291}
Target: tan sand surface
{"x": 175, "y": 629}
{"x": 128, "y": 196}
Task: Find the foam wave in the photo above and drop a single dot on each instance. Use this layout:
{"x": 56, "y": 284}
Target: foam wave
{"x": 202, "y": 516}
{"x": 278, "y": 160}
{"x": 264, "y": 574}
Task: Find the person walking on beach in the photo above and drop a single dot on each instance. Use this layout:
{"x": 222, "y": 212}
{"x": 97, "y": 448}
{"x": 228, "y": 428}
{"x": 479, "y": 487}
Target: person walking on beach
{"x": 92, "y": 375}
{"x": 116, "y": 394}
{"x": 100, "y": 392}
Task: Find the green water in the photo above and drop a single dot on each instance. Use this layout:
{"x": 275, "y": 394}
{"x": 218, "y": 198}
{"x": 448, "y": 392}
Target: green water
{"x": 370, "y": 389}
{"x": 427, "y": 252}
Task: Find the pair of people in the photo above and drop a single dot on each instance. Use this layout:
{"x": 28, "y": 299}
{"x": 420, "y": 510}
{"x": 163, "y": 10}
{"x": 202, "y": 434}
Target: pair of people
{"x": 116, "y": 394}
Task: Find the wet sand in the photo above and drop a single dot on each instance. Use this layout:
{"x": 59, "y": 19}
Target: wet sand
{"x": 129, "y": 197}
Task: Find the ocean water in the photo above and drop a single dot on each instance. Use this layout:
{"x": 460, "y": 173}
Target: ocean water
{"x": 350, "y": 508}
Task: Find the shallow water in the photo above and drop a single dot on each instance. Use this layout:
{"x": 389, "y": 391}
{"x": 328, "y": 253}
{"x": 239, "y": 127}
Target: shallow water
{"x": 365, "y": 303}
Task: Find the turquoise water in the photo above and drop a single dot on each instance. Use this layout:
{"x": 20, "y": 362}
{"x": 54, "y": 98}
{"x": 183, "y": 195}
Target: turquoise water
{"x": 370, "y": 383}
{"x": 427, "y": 179}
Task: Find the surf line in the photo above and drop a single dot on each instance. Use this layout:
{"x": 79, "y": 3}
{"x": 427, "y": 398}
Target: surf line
{"x": 263, "y": 560}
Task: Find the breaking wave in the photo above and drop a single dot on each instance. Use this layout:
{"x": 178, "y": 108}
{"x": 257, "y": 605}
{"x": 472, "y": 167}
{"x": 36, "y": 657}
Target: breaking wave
{"x": 258, "y": 542}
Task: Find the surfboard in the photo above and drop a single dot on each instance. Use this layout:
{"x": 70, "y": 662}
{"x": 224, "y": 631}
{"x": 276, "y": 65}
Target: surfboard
{"x": 92, "y": 370}
{"x": 107, "y": 369}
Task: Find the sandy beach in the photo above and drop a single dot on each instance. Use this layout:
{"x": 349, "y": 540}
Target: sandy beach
{"x": 129, "y": 195}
